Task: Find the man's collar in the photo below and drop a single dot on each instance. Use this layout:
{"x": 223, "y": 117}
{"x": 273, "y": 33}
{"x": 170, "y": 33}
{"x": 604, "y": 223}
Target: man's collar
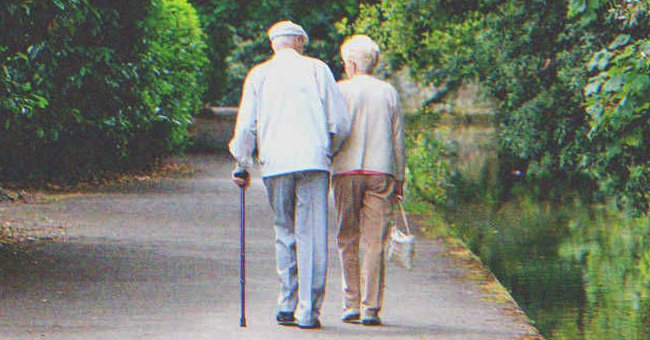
{"x": 286, "y": 51}
{"x": 362, "y": 76}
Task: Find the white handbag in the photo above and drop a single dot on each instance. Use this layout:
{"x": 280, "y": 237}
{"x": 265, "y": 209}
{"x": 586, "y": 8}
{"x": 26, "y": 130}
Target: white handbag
{"x": 400, "y": 248}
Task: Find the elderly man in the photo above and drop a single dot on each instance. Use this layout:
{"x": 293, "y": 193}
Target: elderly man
{"x": 368, "y": 172}
{"x": 293, "y": 118}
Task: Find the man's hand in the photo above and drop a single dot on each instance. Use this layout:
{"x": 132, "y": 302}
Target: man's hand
{"x": 399, "y": 189}
{"x": 241, "y": 177}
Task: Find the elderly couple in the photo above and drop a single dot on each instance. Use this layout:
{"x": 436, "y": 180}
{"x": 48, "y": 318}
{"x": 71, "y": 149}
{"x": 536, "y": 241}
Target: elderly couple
{"x": 301, "y": 125}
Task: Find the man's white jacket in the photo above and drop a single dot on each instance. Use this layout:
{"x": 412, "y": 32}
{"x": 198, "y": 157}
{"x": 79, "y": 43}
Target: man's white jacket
{"x": 290, "y": 109}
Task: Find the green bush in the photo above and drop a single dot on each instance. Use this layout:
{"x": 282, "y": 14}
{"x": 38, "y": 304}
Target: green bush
{"x": 89, "y": 86}
{"x": 428, "y": 173}
{"x": 174, "y": 59}
{"x": 428, "y": 170}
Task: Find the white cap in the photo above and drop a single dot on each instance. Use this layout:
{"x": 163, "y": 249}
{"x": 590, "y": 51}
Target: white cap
{"x": 286, "y": 28}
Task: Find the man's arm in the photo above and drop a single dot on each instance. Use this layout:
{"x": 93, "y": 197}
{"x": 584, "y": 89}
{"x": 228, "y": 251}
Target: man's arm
{"x": 339, "y": 120}
{"x": 242, "y": 145}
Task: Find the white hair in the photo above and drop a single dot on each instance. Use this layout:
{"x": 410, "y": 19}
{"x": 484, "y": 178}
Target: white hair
{"x": 362, "y": 50}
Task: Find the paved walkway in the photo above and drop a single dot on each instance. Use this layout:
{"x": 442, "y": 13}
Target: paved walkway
{"x": 160, "y": 260}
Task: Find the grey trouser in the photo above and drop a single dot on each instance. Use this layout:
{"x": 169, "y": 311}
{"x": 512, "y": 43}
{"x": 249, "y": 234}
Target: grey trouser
{"x": 299, "y": 201}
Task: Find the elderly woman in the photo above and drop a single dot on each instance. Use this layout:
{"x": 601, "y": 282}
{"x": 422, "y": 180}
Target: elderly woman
{"x": 368, "y": 172}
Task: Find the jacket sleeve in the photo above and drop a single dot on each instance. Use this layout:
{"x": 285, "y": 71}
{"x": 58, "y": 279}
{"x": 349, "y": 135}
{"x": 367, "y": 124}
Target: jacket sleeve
{"x": 399, "y": 143}
{"x": 242, "y": 146}
{"x": 339, "y": 119}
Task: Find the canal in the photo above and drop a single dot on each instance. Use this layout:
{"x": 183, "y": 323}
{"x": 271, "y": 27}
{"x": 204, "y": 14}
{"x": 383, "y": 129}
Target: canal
{"x": 579, "y": 271}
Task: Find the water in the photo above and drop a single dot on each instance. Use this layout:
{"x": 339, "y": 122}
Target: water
{"x": 579, "y": 272}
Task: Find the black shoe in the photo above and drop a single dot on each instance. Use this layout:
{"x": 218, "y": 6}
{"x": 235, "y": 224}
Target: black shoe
{"x": 313, "y": 325}
{"x": 373, "y": 321}
{"x": 285, "y": 319}
{"x": 351, "y": 318}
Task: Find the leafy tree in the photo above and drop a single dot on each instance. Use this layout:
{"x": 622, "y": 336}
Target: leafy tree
{"x": 546, "y": 64}
{"x": 236, "y": 35}
{"x": 618, "y": 96}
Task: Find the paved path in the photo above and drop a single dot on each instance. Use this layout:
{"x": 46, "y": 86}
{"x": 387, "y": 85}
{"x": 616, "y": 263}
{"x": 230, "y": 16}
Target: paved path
{"x": 160, "y": 261}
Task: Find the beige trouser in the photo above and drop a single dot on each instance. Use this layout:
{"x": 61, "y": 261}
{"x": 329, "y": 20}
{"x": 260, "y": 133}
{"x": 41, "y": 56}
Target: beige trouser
{"x": 363, "y": 205}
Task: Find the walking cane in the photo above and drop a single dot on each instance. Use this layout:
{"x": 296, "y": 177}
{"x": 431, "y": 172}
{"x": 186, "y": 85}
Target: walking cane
{"x": 243, "y": 174}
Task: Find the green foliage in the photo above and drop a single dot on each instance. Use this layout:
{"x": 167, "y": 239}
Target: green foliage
{"x": 237, "y": 40}
{"x": 433, "y": 38}
{"x": 427, "y": 168}
{"x": 617, "y": 102}
{"x": 68, "y": 77}
{"x": 78, "y": 96}
{"x": 173, "y": 63}
{"x": 570, "y": 78}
